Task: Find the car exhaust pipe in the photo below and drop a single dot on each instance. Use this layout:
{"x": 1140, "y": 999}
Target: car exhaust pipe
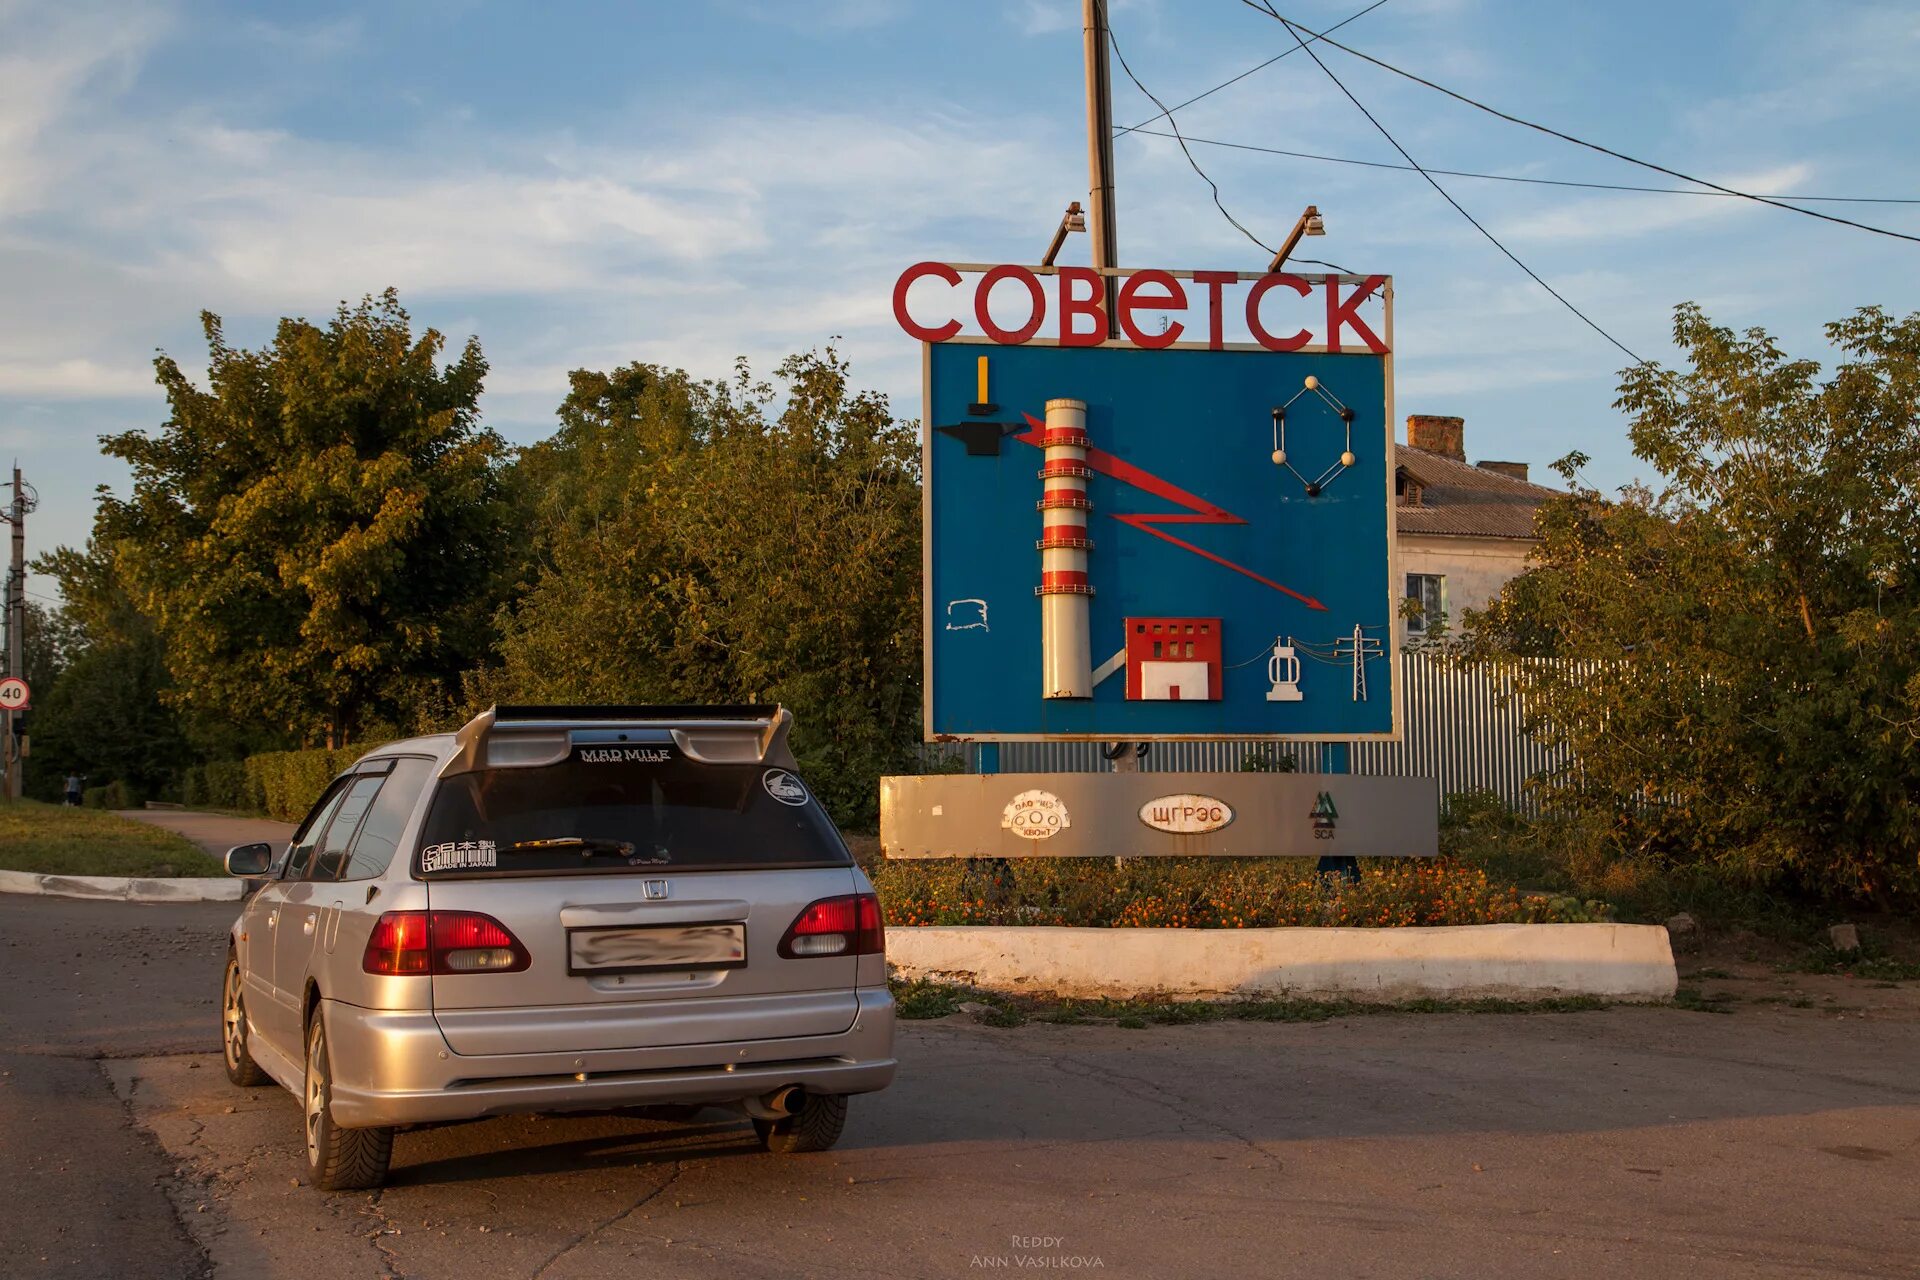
{"x": 778, "y": 1105}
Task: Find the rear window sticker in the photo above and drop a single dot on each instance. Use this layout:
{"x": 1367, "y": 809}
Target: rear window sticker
{"x": 784, "y": 787}
{"x": 625, "y": 755}
{"x": 459, "y": 855}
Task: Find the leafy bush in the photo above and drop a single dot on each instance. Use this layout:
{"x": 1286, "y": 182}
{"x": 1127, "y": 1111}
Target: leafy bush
{"x": 1208, "y": 893}
{"x": 219, "y": 784}
{"x": 1737, "y": 674}
{"x": 113, "y": 795}
{"x": 286, "y": 783}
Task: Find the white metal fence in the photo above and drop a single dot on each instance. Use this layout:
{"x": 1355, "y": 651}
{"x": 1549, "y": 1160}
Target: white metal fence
{"x": 1462, "y": 727}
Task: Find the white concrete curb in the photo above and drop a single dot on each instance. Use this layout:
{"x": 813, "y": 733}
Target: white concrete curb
{"x": 1507, "y": 961}
{"x": 126, "y": 888}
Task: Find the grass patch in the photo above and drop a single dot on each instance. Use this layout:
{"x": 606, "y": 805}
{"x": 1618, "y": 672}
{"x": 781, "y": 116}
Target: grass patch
{"x": 57, "y": 840}
{"x": 1695, "y": 1000}
{"x": 1868, "y": 962}
{"x": 922, "y": 998}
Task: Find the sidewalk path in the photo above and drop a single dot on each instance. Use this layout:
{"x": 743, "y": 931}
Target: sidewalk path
{"x": 214, "y": 832}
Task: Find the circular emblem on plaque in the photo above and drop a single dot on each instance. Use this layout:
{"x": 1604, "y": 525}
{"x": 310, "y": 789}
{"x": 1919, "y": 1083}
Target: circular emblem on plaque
{"x": 1035, "y": 815}
{"x": 1186, "y": 814}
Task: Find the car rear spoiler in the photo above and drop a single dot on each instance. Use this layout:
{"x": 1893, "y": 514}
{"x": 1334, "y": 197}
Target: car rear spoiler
{"x": 524, "y": 737}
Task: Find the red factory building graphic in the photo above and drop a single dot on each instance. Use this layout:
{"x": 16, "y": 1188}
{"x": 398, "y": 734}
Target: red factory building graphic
{"x": 1173, "y": 659}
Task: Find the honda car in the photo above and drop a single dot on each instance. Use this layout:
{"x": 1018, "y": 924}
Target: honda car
{"x": 560, "y": 909}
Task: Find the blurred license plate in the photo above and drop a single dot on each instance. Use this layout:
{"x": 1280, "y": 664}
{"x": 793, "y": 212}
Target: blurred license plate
{"x": 673, "y": 946}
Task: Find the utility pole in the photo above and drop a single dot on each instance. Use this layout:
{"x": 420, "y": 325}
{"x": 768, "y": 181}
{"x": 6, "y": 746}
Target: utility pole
{"x": 16, "y": 626}
{"x": 1106, "y": 241}
{"x": 1106, "y": 237}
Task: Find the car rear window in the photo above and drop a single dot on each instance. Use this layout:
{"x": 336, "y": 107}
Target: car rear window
{"x": 624, "y": 809}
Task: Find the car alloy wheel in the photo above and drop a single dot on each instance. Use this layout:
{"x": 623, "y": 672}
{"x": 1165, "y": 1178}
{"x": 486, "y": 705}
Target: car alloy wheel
{"x": 316, "y": 1093}
{"x": 241, "y": 1068}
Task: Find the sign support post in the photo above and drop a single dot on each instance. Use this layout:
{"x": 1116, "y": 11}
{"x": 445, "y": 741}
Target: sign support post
{"x": 1106, "y": 236}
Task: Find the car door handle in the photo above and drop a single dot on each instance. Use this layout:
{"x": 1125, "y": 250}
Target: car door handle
{"x": 307, "y": 927}
{"x": 273, "y": 918}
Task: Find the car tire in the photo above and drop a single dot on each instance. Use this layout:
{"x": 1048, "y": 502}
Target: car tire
{"x": 234, "y": 1029}
{"x": 337, "y": 1159}
{"x": 815, "y": 1126}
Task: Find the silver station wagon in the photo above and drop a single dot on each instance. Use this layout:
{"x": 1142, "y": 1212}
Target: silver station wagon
{"x": 561, "y": 909}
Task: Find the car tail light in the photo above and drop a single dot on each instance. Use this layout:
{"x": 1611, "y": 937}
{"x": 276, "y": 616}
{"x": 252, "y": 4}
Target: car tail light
{"x": 398, "y": 944}
{"x": 444, "y": 942}
{"x": 848, "y": 926}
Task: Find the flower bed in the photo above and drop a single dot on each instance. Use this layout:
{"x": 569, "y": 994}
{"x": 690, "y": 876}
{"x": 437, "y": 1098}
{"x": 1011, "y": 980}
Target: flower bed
{"x": 1209, "y": 893}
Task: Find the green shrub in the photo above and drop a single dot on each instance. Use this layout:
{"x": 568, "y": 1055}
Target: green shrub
{"x": 225, "y": 786}
{"x": 111, "y": 795}
{"x": 286, "y": 783}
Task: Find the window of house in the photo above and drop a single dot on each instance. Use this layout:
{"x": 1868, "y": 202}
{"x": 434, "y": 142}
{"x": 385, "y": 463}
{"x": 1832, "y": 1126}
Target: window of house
{"x": 1430, "y": 589}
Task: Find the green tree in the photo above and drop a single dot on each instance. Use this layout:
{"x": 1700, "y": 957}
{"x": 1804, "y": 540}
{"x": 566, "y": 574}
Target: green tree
{"x": 694, "y": 543}
{"x": 317, "y": 536}
{"x": 1740, "y": 646}
{"x": 99, "y": 675}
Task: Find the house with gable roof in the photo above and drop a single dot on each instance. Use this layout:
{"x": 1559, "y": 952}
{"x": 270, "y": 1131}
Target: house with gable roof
{"x": 1465, "y": 529}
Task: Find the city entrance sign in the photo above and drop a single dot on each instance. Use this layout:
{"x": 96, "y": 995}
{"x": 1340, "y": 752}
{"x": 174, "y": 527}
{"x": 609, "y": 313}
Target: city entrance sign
{"x": 1010, "y": 305}
{"x": 1161, "y": 541}
{"x": 1177, "y": 529}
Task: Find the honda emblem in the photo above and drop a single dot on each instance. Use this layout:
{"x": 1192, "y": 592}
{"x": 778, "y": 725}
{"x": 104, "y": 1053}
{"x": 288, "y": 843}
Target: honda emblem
{"x": 655, "y": 890}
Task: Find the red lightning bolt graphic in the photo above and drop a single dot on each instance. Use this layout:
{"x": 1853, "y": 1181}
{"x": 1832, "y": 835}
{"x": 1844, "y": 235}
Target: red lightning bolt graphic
{"x": 1199, "y": 510}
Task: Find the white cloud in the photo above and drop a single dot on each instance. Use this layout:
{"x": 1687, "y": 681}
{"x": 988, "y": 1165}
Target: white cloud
{"x": 76, "y": 376}
{"x": 314, "y": 39}
{"x": 1627, "y": 216}
{"x": 1043, "y": 17}
{"x": 53, "y": 68}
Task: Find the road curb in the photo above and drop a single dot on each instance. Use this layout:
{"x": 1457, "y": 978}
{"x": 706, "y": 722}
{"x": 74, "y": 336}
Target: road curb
{"x": 125, "y": 888}
{"x": 1500, "y": 961}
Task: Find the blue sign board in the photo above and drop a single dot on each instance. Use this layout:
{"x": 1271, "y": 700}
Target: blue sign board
{"x": 1131, "y": 544}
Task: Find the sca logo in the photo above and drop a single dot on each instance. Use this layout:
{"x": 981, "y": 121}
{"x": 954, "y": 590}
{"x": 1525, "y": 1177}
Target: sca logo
{"x": 1324, "y": 815}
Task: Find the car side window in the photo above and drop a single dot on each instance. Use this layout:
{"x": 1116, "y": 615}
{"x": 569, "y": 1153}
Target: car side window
{"x": 386, "y": 820}
{"x": 293, "y": 866}
{"x": 330, "y": 851}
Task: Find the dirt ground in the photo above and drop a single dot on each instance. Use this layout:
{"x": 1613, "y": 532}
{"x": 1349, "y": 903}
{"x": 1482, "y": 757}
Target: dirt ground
{"x": 1780, "y": 1138}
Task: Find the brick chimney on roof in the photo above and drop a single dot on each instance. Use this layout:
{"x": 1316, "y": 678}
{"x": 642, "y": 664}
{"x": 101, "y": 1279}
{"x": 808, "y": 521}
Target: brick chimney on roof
{"x": 1445, "y": 436}
{"x": 1518, "y": 470}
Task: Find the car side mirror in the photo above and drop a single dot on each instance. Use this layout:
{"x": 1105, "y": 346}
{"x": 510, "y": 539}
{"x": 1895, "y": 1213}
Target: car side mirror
{"x": 249, "y": 859}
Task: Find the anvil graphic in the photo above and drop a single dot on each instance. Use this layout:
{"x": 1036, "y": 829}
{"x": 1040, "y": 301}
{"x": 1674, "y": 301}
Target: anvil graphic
{"x": 982, "y": 438}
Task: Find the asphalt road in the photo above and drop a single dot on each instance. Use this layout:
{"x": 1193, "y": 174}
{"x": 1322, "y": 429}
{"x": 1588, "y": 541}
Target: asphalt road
{"x": 1641, "y": 1142}
{"x": 214, "y": 832}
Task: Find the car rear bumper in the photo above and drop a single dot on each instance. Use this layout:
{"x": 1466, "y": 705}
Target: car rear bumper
{"x": 392, "y": 1068}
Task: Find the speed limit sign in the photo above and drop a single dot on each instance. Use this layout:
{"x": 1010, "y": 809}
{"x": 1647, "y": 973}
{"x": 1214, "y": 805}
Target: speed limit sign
{"x": 14, "y": 694}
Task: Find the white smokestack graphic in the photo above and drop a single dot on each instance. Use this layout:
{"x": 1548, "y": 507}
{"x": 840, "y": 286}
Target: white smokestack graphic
{"x": 1066, "y": 648}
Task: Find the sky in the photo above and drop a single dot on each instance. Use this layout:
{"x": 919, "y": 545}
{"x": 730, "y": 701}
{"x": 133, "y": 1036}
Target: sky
{"x": 585, "y": 184}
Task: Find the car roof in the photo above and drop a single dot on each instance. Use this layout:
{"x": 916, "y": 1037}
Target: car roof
{"x": 438, "y": 745}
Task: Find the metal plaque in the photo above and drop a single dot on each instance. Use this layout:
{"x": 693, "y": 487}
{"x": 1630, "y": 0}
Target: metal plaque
{"x": 1286, "y": 815}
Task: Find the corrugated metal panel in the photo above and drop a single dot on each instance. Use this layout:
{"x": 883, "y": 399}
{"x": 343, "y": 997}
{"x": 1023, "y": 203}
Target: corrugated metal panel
{"x": 1463, "y": 728}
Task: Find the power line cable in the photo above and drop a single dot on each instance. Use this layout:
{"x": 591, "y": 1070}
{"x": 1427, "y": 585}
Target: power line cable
{"x": 1243, "y": 75}
{"x": 1184, "y": 150}
{"x": 1508, "y": 177}
{"x": 1295, "y": 29}
{"x": 1432, "y": 181}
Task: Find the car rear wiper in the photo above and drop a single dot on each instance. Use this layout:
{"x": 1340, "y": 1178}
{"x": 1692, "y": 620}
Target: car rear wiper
{"x": 588, "y": 846}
